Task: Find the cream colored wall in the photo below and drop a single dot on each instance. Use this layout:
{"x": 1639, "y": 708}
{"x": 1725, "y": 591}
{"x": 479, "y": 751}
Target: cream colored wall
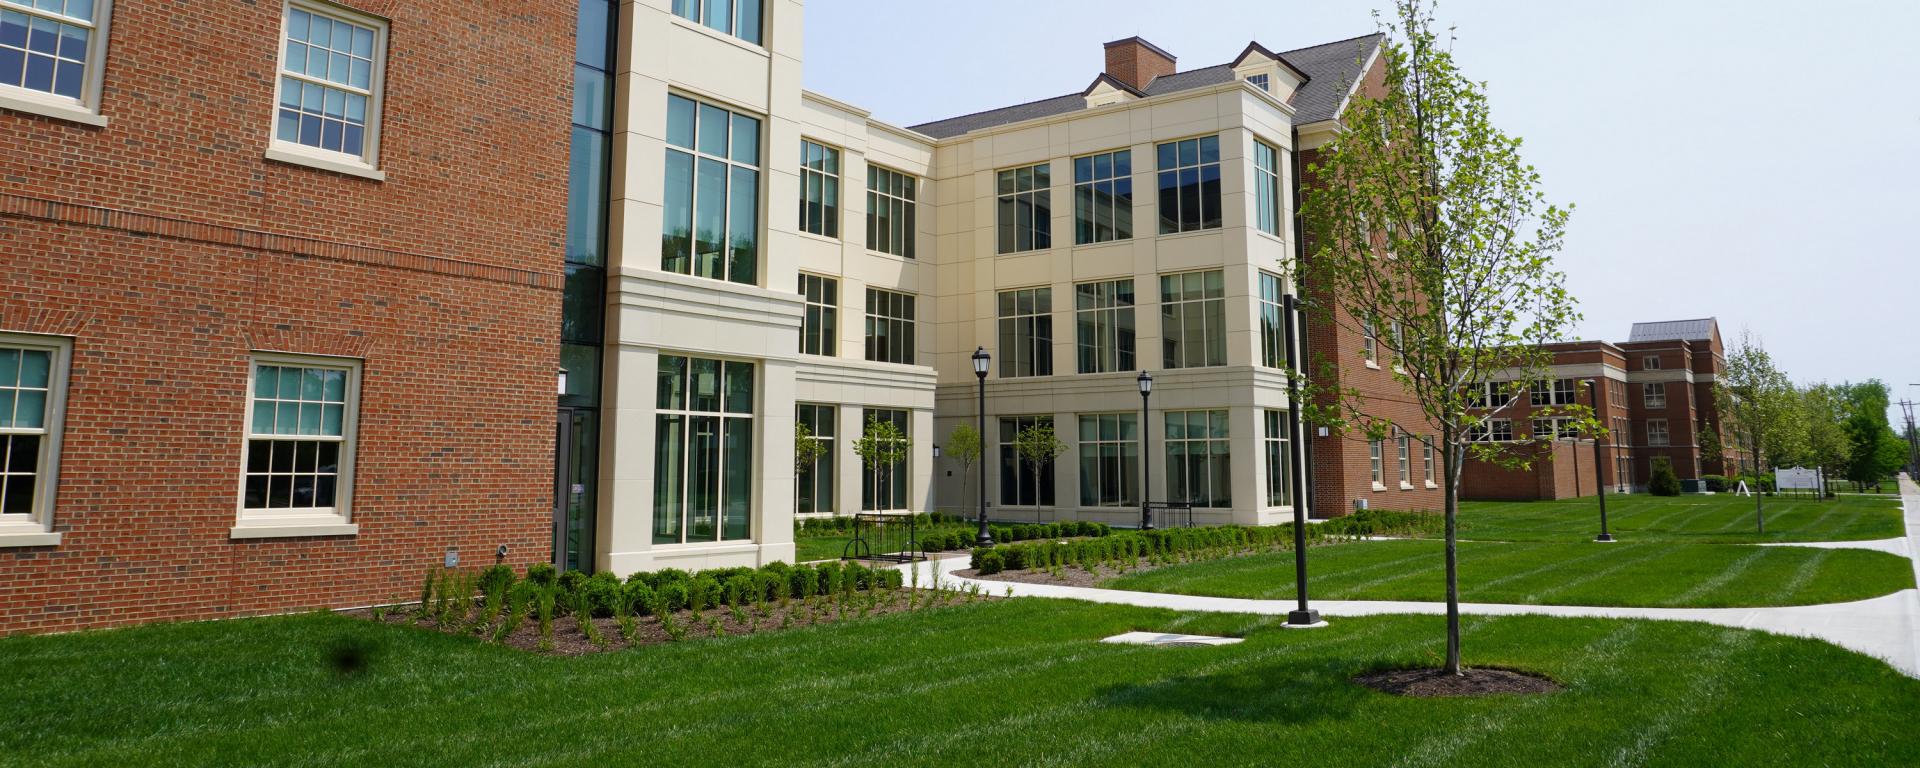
{"x": 970, "y": 274}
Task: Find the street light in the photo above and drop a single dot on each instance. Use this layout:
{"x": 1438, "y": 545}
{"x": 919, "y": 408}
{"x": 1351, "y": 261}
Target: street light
{"x": 1302, "y": 616}
{"x": 1146, "y": 511}
{"x": 982, "y": 361}
{"x": 1593, "y": 390}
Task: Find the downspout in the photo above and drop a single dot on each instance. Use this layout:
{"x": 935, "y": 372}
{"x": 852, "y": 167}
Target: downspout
{"x": 1296, "y": 367}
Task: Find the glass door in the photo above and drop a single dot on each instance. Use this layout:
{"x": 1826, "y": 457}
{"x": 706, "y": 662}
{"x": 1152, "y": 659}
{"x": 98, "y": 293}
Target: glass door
{"x": 575, "y": 442}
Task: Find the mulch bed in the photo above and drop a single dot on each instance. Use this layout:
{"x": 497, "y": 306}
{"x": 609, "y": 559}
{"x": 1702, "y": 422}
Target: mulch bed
{"x": 1428, "y": 683}
{"x": 570, "y": 639}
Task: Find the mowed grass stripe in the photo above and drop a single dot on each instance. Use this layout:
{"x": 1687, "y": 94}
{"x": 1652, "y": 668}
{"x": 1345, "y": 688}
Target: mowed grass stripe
{"x": 1720, "y": 518}
{"x": 1646, "y": 575}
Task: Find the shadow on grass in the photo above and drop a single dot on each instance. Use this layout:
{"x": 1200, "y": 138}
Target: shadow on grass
{"x": 1279, "y": 692}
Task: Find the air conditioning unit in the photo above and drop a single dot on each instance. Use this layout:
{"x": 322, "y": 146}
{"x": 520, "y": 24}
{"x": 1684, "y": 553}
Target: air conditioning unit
{"x": 1359, "y": 505}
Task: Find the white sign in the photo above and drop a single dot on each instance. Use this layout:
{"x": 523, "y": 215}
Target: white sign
{"x": 1797, "y": 478}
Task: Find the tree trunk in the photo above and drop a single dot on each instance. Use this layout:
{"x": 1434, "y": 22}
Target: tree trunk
{"x": 1451, "y": 458}
{"x": 1759, "y": 506}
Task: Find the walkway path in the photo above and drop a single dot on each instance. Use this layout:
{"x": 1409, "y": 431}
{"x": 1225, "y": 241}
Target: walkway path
{"x": 1886, "y": 627}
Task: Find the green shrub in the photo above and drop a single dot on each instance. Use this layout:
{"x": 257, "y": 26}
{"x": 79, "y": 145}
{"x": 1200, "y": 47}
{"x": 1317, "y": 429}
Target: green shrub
{"x": 891, "y": 578}
{"x": 637, "y": 596}
{"x": 675, "y": 595}
{"x": 803, "y": 581}
{"x": 831, "y": 575}
{"x": 1663, "y": 482}
{"x": 739, "y": 590}
{"x": 988, "y": 561}
{"x": 497, "y": 580}
{"x": 571, "y": 582}
{"x": 703, "y": 593}
{"x": 601, "y": 592}
{"x": 542, "y": 574}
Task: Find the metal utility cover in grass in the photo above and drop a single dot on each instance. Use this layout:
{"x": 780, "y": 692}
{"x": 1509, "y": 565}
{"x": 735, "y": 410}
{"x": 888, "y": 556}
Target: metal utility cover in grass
{"x": 1172, "y": 640}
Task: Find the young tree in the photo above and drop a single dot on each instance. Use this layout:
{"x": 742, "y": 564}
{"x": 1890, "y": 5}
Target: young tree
{"x": 1038, "y": 446}
{"x": 1869, "y": 457}
{"x": 1825, "y": 410}
{"x": 1423, "y": 217}
{"x": 963, "y": 444}
{"x": 1759, "y": 402}
{"x": 881, "y": 445}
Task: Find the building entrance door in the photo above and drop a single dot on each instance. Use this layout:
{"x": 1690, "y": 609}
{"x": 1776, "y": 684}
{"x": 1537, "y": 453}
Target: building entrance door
{"x": 576, "y": 449}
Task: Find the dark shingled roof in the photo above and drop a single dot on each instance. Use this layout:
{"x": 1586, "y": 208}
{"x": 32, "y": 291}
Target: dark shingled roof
{"x": 1331, "y": 69}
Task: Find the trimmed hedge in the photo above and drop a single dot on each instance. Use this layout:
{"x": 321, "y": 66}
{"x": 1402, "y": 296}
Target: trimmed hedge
{"x": 948, "y": 541}
{"x": 1187, "y": 544}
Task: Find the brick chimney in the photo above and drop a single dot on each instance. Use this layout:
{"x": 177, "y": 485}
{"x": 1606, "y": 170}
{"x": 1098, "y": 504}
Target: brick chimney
{"x": 1137, "y": 62}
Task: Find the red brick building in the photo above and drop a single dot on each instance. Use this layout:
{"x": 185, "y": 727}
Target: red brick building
{"x": 282, "y": 288}
{"x": 1655, "y": 397}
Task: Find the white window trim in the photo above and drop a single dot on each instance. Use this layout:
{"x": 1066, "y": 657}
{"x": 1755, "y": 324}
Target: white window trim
{"x": 839, "y": 192}
{"x": 1376, "y": 464}
{"x": 265, "y": 524}
{"x": 366, "y": 166}
{"x": 35, "y": 529}
{"x": 86, "y": 109}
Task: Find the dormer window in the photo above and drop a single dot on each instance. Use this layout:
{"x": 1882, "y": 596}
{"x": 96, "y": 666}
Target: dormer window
{"x": 1260, "y": 82}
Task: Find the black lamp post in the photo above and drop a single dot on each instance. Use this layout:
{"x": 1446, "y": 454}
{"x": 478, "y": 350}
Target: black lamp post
{"x": 1146, "y": 483}
{"x": 1302, "y": 616}
{"x": 982, "y": 361}
{"x": 1600, "y": 488}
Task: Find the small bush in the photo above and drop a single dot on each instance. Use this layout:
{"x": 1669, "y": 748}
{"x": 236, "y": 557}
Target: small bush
{"x": 990, "y": 561}
{"x": 601, "y": 592}
{"x": 803, "y": 581}
{"x": 1663, "y": 482}
{"x": 497, "y": 580}
{"x": 637, "y": 596}
{"x": 831, "y": 575}
{"x": 739, "y": 590}
{"x": 542, "y": 574}
{"x": 674, "y": 595}
{"x": 702, "y": 594}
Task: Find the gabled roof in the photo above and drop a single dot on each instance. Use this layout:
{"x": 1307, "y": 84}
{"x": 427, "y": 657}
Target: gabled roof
{"x": 1673, "y": 330}
{"x": 1110, "y": 80}
{"x": 1255, "y": 47}
{"x": 1330, "y": 69}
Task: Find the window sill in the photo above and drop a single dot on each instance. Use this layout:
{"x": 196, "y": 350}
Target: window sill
{"x": 1379, "y": 487}
{"x": 1406, "y": 486}
{"x": 29, "y": 539}
{"x": 834, "y": 241}
{"x": 344, "y": 167}
{"x": 1373, "y": 365}
{"x": 1431, "y": 485}
{"x": 683, "y": 23}
{"x": 17, "y": 101}
{"x": 291, "y": 529}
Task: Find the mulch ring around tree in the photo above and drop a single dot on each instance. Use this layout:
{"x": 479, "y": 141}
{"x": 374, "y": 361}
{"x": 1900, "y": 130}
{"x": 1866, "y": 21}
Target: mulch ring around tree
{"x": 570, "y": 638}
{"x": 1431, "y": 682}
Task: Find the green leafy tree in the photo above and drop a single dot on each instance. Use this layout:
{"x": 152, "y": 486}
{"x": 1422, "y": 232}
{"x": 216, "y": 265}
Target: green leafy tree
{"x": 1423, "y": 217}
{"x": 1824, "y": 409}
{"x": 881, "y": 445}
{"x": 1762, "y": 410}
{"x": 1037, "y": 445}
{"x": 1663, "y": 482}
{"x": 963, "y": 445}
{"x": 1874, "y": 449}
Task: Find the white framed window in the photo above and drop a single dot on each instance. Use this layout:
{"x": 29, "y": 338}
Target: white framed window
{"x": 711, "y": 216}
{"x": 1189, "y": 184}
{"x": 1370, "y": 342}
{"x": 1279, "y": 455}
{"x": 328, "y": 93}
{"x": 1261, "y": 82}
{"x": 890, "y": 211}
{"x": 1267, "y": 197}
{"x": 52, "y": 54}
{"x": 1103, "y": 197}
{"x": 1654, "y": 394}
{"x": 1024, "y": 201}
{"x": 1109, "y": 460}
{"x": 814, "y": 487}
{"x": 1492, "y": 431}
{"x": 1406, "y": 461}
{"x": 1103, "y": 326}
{"x": 739, "y": 18}
{"x": 296, "y": 474}
{"x": 1650, "y": 363}
{"x": 1026, "y": 332}
{"x": 1193, "y": 319}
{"x": 820, "y": 326}
{"x": 703, "y": 457}
{"x": 819, "y": 189}
{"x": 1657, "y": 432}
{"x": 1374, "y": 463}
{"x": 33, "y": 389}
{"x": 1426, "y": 458}
{"x": 1199, "y": 458}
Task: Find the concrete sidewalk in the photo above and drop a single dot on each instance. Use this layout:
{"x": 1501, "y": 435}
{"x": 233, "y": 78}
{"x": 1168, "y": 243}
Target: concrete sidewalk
{"x": 1886, "y": 627}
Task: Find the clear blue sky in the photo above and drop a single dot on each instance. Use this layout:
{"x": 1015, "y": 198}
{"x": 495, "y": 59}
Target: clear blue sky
{"x": 1757, "y": 162}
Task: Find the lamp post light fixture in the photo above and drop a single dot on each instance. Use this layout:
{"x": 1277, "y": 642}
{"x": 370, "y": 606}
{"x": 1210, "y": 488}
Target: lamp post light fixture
{"x": 1303, "y": 616}
{"x": 981, "y": 362}
{"x": 1600, "y": 488}
{"x": 1145, "y": 381}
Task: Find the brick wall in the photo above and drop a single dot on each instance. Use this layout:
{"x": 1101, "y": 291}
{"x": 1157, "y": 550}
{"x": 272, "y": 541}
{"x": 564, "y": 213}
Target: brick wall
{"x": 169, "y": 249}
{"x": 1563, "y": 469}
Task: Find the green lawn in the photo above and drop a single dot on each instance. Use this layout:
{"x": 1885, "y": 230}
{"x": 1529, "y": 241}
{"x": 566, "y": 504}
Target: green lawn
{"x": 1019, "y": 682}
{"x": 1626, "y": 574}
{"x": 808, "y": 548}
{"x": 1720, "y": 518}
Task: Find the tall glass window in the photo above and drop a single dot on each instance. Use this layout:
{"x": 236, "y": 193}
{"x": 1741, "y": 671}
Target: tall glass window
{"x": 820, "y": 327}
{"x": 885, "y": 491}
{"x": 740, "y": 18}
{"x": 48, "y": 47}
{"x": 329, "y": 79}
{"x": 814, "y": 489}
{"x": 299, "y": 437}
{"x": 712, "y": 208}
{"x": 819, "y": 189}
{"x": 32, "y": 376}
{"x": 1374, "y": 463}
{"x": 1266, "y": 187}
{"x": 1026, "y": 332}
{"x": 1193, "y": 319}
{"x": 1025, "y": 209}
{"x": 1273, "y": 349}
{"x": 890, "y": 227}
{"x": 1103, "y": 319}
{"x": 1189, "y": 184}
{"x": 1199, "y": 465}
{"x": 1279, "y": 451}
{"x": 703, "y": 451}
{"x": 1406, "y": 461}
{"x": 890, "y": 321}
{"x": 1109, "y": 460}
{"x": 1103, "y": 197}
{"x": 1021, "y": 483}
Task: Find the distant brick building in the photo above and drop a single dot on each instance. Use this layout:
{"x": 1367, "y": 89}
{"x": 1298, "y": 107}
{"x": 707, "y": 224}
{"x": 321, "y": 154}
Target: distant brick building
{"x": 1655, "y": 396}
{"x": 282, "y": 300}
